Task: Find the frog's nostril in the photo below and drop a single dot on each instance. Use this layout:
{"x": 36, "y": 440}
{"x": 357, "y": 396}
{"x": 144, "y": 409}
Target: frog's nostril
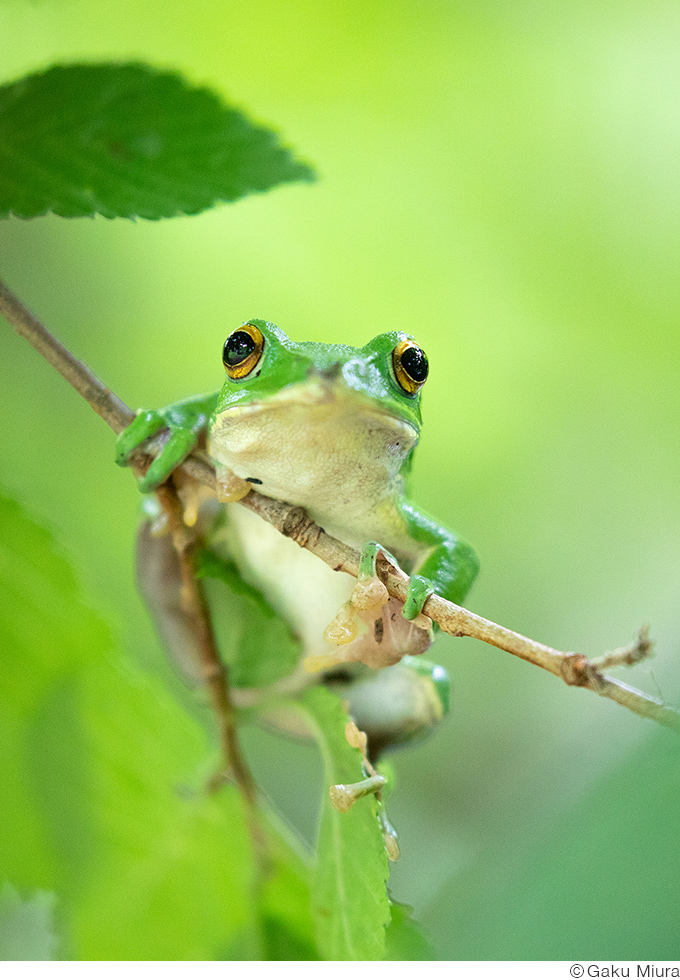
{"x": 329, "y": 372}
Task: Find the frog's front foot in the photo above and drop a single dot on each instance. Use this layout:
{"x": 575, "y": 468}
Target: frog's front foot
{"x": 147, "y": 423}
{"x": 418, "y": 591}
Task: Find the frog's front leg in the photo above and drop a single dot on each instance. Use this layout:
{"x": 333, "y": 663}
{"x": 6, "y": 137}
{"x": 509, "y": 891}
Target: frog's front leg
{"x": 186, "y": 421}
{"x": 448, "y": 568}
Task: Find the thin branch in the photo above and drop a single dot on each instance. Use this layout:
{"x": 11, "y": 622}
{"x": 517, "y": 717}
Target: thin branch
{"x": 114, "y": 412}
{"x": 215, "y": 672}
{"x": 573, "y": 668}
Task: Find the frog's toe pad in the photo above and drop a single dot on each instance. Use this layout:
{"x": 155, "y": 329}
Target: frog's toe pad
{"x": 369, "y": 593}
{"x": 390, "y": 836}
{"x": 344, "y": 795}
{"x": 422, "y": 621}
{"x": 230, "y": 487}
{"x": 343, "y": 628}
{"x": 356, "y": 738}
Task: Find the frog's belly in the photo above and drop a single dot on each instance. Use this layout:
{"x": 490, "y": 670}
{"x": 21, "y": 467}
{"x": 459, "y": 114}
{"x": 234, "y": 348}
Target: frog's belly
{"x": 301, "y": 588}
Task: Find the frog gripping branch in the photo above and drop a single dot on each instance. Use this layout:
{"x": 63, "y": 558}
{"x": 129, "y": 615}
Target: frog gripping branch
{"x": 331, "y": 429}
{"x": 289, "y": 485}
{"x": 573, "y": 668}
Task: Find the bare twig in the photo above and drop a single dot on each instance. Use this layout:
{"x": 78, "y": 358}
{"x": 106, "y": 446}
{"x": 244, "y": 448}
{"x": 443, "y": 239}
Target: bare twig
{"x": 573, "y": 668}
{"x": 114, "y": 412}
{"x": 641, "y": 649}
{"x": 214, "y": 671}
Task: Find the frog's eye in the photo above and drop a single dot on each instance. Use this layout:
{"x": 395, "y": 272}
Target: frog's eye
{"x": 242, "y": 351}
{"x": 410, "y": 366}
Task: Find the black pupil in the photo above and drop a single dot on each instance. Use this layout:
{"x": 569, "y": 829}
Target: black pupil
{"x": 237, "y": 348}
{"x": 414, "y": 362}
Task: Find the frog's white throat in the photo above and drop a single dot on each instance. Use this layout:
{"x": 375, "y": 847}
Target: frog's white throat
{"x": 327, "y": 449}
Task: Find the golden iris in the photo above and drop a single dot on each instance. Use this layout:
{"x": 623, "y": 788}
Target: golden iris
{"x": 242, "y": 351}
{"x": 410, "y": 366}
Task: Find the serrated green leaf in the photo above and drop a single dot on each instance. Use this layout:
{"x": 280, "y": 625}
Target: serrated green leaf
{"x": 103, "y": 788}
{"x": 349, "y": 894}
{"x": 405, "y": 937}
{"x": 127, "y": 140}
{"x": 26, "y": 927}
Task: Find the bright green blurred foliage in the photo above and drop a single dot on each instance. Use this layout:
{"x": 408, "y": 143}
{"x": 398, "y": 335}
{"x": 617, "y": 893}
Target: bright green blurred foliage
{"x": 502, "y": 181}
{"x": 103, "y": 790}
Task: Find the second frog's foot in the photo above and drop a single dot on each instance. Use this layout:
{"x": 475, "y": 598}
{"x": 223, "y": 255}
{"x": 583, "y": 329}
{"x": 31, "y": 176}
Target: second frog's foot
{"x": 369, "y": 594}
{"x": 344, "y": 627}
{"x": 378, "y": 638}
{"x": 368, "y": 598}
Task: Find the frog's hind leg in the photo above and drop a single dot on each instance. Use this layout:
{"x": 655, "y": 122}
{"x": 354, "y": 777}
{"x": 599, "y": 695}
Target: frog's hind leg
{"x": 394, "y": 705}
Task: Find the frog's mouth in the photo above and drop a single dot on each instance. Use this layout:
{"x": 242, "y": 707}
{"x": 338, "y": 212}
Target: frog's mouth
{"x": 312, "y": 439}
{"x": 321, "y": 396}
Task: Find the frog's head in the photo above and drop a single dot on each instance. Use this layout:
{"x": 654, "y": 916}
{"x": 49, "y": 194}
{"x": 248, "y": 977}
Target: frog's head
{"x": 315, "y": 407}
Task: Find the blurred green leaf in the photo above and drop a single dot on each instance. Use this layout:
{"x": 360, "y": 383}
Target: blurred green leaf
{"x": 285, "y": 901}
{"x": 126, "y": 140}
{"x": 26, "y": 927}
{"x": 103, "y": 778}
{"x": 48, "y": 635}
{"x": 349, "y": 893}
{"x": 255, "y": 641}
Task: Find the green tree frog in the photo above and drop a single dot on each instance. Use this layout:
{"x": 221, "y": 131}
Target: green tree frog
{"x": 332, "y": 429}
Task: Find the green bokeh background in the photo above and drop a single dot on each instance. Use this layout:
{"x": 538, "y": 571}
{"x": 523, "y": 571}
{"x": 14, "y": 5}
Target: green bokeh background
{"x": 503, "y": 181}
